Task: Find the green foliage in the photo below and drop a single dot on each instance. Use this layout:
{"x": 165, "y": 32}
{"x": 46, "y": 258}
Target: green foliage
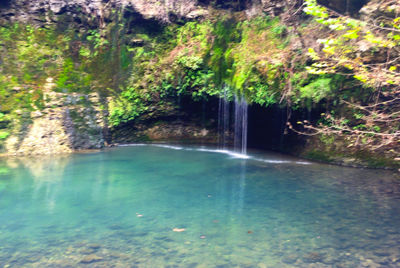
{"x": 348, "y": 48}
{"x": 219, "y": 57}
{"x": 128, "y": 106}
{"x": 29, "y": 56}
{"x": 327, "y": 139}
{"x": 85, "y": 52}
{"x": 96, "y": 38}
{"x": 4, "y": 134}
{"x": 190, "y": 62}
{"x": 196, "y": 59}
{"x": 33, "y": 52}
{"x": 242, "y": 55}
{"x": 194, "y": 32}
{"x": 319, "y": 156}
{"x": 71, "y": 79}
{"x": 199, "y": 83}
{"x": 262, "y": 94}
{"x": 95, "y": 43}
{"x": 257, "y": 63}
{"x": 340, "y": 51}
{"x": 317, "y": 89}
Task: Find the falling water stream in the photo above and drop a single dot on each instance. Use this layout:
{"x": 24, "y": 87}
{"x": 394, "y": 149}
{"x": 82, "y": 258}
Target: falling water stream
{"x": 223, "y": 119}
{"x": 241, "y": 114}
{"x": 239, "y": 124}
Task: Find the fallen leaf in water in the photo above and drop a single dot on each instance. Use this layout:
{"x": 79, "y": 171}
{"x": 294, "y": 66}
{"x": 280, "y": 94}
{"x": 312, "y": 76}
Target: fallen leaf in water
{"x": 249, "y": 232}
{"x": 179, "y": 230}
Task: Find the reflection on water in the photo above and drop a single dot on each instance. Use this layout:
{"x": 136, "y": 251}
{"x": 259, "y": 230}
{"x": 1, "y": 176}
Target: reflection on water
{"x": 120, "y": 207}
{"x": 46, "y": 173}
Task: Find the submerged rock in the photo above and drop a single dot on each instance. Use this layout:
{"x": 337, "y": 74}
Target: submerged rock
{"x": 329, "y": 260}
{"x": 91, "y": 259}
{"x": 290, "y": 259}
{"x": 94, "y": 246}
{"x": 87, "y": 251}
{"x": 179, "y": 230}
{"x": 313, "y": 257}
{"x": 381, "y": 252}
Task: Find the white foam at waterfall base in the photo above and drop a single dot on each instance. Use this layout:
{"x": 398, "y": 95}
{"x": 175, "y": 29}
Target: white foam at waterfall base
{"x": 154, "y": 145}
{"x": 227, "y": 152}
{"x": 232, "y": 154}
{"x": 173, "y": 147}
{"x": 131, "y": 144}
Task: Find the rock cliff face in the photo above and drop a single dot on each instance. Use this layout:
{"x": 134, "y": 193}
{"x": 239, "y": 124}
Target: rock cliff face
{"x": 165, "y": 131}
{"x": 43, "y": 11}
{"x": 47, "y": 10}
{"x": 67, "y": 123}
{"x": 378, "y": 10}
{"x": 164, "y": 10}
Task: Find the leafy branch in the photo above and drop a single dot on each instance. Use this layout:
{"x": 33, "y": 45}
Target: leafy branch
{"x": 368, "y": 52}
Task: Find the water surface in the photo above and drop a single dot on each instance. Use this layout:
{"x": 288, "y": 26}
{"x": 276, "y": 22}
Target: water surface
{"x": 171, "y": 206}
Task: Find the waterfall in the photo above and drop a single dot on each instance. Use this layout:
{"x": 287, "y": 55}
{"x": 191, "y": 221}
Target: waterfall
{"x": 240, "y": 122}
{"x": 220, "y": 121}
{"x": 223, "y": 119}
{"x": 241, "y": 114}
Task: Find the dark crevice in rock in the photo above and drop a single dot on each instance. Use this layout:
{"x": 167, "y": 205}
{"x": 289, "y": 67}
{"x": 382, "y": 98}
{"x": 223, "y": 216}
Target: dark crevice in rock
{"x": 5, "y": 3}
{"x": 347, "y": 7}
{"x": 136, "y": 20}
{"x": 235, "y": 5}
{"x": 267, "y": 127}
{"x": 186, "y": 120}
